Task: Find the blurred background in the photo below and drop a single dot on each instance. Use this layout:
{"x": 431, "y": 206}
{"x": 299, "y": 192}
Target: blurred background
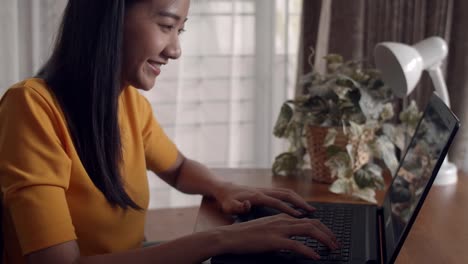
{"x": 242, "y": 58}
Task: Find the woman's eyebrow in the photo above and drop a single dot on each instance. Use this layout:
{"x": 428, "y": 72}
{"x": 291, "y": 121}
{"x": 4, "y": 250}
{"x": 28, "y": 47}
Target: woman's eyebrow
{"x": 171, "y": 15}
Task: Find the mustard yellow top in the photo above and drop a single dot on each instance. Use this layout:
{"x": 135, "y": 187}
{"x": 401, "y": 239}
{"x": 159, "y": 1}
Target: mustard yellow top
{"x": 48, "y": 198}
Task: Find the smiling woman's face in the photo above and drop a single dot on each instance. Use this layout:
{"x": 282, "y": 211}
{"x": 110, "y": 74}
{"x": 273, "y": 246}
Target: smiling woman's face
{"x": 151, "y": 39}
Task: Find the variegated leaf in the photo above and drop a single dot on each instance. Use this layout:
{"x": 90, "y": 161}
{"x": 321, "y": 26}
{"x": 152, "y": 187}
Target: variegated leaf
{"x": 369, "y": 106}
{"x": 355, "y": 130}
{"x": 341, "y": 91}
{"x": 350, "y": 150}
{"x": 339, "y": 165}
{"x": 330, "y": 137}
{"x": 396, "y": 134}
{"x": 283, "y": 120}
{"x": 387, "y": 151}
{"x": 387, "y": 112}
{"x": 366, "y": 194}
{"x": 341, "y": 186}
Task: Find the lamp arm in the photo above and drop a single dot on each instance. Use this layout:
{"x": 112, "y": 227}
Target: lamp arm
{"x": 448, "y": 172}
{"x": 439, "y": 83}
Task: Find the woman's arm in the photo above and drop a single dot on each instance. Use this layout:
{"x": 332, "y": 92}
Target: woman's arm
{"x": 192, "y": 177}
{"x": 194, "y": 248}
{"x": 260, "y": 235}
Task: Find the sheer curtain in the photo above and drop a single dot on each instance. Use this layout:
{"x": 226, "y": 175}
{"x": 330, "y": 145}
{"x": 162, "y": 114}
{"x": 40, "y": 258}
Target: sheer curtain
{"x": 218, "y": 102}
{"x": 220, "y": 99}
{"x": 27, "y": 29}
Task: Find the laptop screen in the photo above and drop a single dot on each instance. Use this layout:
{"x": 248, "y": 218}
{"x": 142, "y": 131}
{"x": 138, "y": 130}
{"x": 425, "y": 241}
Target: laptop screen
{"x": 416, "y": 172}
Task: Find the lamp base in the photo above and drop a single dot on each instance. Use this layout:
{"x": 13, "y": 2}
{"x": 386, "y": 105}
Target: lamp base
{"x": 448, "y": 174}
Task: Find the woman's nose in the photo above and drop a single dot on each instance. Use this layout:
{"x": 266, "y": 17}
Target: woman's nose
{"x": 173, "y": 50}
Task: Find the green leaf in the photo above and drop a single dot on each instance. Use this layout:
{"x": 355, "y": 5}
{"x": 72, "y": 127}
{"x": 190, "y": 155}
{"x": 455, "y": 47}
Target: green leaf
{"x": 379, "y": 91}
{"x": 339, "y": 165}
{"x": 333, "y": 150}
{"x": 341, "y": 91}
{"x": 283, "y": 120}
{"x": 285, "y": 163}
{"x": 410, "y": 116}
{"x": 347, "y": 81}
{"x": 369, "y": 176}
{"x": 333, "y": 58}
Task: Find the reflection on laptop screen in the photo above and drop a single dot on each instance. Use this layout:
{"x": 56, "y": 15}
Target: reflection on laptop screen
{"x": 414, "y": 174}
{"x": 416, "y": 169}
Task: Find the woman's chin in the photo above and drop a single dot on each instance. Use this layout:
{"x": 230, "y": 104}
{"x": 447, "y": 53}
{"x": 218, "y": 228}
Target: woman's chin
{"x": 146, "y": 87}
{"x": 146, "y": 84}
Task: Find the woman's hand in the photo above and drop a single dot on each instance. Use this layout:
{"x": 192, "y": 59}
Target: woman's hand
{"x": 237, "y": 199}
{"x": 274, "y": 233}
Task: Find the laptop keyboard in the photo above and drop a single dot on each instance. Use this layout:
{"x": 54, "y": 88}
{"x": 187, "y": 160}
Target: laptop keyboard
{"x": 339, "y": 220}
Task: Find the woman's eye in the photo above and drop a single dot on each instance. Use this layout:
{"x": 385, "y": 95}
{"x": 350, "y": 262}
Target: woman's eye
{"x": 167, "y": 27}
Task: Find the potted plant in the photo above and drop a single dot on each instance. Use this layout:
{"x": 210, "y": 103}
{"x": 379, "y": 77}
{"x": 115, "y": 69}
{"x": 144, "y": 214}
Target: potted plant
{"x": 344, "y": 121}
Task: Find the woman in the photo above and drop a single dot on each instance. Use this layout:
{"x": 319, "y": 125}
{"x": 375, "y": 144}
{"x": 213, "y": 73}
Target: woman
{"x": 75, "y": 144}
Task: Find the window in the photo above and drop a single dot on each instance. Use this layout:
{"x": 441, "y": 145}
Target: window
{"x": 220, "y": 100}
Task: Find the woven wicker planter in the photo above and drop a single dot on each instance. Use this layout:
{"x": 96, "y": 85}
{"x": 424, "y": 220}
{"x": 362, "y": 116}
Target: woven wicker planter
{"x": 318, "y": 153}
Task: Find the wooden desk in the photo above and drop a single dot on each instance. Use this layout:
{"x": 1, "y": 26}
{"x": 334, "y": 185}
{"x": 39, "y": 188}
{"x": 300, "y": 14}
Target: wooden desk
{"x": 439, "y": 235}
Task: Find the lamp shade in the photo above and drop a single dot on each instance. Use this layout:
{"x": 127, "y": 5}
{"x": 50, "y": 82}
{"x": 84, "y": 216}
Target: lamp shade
{"x": 402, "y": 64}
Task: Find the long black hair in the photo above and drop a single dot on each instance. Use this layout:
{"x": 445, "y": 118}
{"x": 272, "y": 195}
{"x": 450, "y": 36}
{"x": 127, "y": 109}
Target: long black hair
{"x": 84, "y": 74}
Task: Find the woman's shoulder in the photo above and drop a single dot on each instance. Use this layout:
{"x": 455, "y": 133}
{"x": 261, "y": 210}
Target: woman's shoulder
{"x": 30, "y": 97}
{"x": 34, "y": 89}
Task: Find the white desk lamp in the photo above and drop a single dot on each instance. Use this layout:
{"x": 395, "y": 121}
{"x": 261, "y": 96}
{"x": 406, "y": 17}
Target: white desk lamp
{"x": 401, "y": 67}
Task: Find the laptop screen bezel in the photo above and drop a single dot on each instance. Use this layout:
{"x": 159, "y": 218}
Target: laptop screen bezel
{"x": 452, "y": 123}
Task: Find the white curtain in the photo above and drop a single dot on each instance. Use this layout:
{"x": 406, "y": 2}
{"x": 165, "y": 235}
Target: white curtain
{"x": 218, "y": 102}
{"x": 27, "y": 30}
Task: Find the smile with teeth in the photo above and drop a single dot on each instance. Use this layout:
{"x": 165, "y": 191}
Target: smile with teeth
{"x": 154, "y": 66}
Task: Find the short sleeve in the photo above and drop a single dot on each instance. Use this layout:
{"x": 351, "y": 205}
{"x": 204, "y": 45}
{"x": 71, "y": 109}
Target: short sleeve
{"x": 160, "y": 151}
{"x": 34, "y": 170}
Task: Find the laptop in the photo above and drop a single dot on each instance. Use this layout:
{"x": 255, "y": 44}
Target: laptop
{"x": 371, "y": 233}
